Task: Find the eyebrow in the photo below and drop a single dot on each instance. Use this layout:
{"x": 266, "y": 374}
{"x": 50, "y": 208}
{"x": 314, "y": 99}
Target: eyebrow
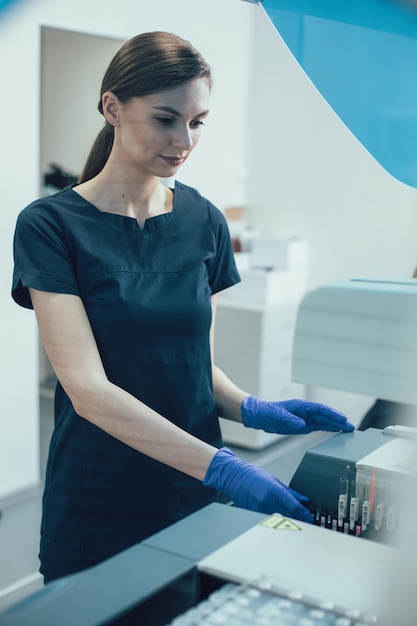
{"x": 176, "y": 113}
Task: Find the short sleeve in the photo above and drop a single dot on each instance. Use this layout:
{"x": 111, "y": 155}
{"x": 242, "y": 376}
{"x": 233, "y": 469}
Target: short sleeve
{"x": 42, "y": 256}
{"x": 222, "y": 270}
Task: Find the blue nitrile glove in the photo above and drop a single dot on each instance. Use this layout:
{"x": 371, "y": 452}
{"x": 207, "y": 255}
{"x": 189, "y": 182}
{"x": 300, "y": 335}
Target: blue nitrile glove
{"x": 292, "y": 417}
{"x": 251, "y": 487}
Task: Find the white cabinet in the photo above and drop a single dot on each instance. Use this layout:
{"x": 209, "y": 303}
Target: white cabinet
{"x": 253, "y": 346}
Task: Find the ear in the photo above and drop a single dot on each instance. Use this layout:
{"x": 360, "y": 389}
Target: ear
{"x": 111, "y": 105}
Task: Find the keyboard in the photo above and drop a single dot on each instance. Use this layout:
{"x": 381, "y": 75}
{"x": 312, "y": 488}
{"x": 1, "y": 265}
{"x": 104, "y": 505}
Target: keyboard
{"x": 259, "y": 604}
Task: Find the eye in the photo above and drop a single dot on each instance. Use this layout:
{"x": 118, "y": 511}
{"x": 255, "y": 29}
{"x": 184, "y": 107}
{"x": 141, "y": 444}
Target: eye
{"x": 165, "y": 121}
{"x": 197, "y": 123}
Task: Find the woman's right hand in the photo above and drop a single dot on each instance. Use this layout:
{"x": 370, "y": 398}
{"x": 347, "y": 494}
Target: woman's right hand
{"x": 251, "y": 487}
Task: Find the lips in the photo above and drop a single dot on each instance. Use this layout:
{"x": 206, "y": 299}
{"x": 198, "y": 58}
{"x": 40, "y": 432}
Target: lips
{"x": 174, "y": 161}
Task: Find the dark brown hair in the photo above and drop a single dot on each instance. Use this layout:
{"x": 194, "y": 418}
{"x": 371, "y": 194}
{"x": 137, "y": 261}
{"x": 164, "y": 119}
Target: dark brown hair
{"x": 146, "y": 64}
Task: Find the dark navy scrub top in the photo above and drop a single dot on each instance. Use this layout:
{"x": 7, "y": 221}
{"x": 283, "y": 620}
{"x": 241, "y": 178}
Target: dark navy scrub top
{"x": 147, "y": 295}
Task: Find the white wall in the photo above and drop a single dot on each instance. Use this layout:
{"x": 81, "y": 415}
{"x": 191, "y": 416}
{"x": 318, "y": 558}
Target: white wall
{"x": 216, "y": 168}
{"x": 309, "y": 175}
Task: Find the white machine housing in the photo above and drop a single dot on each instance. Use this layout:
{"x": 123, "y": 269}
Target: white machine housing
{"x": 359, "y": 335}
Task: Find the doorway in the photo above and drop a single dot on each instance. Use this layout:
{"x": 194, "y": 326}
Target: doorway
{"x": 72, "y": 67}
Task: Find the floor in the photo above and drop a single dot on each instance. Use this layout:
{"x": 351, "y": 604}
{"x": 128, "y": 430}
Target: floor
{"x": 19, "y": 527}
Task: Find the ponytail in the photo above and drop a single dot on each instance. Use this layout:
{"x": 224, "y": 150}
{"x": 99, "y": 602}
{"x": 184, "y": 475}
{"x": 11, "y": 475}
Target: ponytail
{"x": 99, "y": 153}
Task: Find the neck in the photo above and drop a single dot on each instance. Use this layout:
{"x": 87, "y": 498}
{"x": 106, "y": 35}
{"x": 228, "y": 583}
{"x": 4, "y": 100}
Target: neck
{"x": 139, "y": 199}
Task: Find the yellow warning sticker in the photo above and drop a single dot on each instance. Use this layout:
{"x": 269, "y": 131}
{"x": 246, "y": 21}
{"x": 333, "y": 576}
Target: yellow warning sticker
{"x": 278, "y": 522}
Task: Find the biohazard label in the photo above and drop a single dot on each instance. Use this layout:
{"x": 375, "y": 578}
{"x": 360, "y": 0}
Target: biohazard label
{"x": 279, "y": 522}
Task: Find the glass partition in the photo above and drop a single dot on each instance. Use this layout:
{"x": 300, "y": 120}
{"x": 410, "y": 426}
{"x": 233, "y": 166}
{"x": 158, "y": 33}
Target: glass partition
{"x": 362, "y": 57}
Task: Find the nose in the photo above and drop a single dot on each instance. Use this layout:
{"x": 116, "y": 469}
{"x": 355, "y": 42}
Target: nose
{"x": 182, "y": 137}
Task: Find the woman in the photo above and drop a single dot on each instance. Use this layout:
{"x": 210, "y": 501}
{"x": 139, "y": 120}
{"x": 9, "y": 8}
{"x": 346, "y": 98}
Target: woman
{"x": 123, "y": 274}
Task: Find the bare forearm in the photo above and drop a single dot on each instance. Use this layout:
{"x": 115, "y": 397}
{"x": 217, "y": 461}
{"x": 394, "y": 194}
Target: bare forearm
{"x": 132, "y": 422}
{"x": 228, "y": 396}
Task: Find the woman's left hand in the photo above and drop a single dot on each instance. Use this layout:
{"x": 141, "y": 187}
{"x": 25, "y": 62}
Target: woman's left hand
{"x": 292, "y": 417}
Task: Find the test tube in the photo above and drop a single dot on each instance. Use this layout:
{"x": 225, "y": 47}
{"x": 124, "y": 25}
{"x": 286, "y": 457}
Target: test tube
{"x": 366, "y": 508}
{"x": 354, "y": 504}
{"x": 329, "y": 519}
{"x": 380, "y": 508}
{"x": 343, "y": 502}
{"x": 391, "y": 518}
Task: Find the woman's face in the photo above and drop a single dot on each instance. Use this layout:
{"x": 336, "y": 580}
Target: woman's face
{"x": 155, "y": 134}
